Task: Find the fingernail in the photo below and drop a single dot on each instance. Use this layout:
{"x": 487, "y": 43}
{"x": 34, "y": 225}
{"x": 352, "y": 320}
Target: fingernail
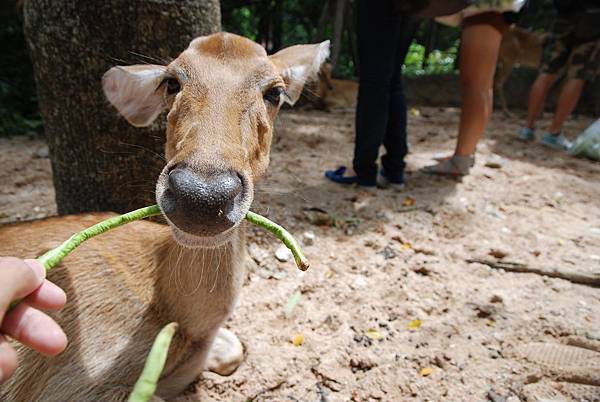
{"x": 37, "y": 268}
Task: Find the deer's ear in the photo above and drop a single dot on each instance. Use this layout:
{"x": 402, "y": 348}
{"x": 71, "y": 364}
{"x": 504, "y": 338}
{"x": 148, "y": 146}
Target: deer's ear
{"x": 297, "y": 64}
{"x": 136, "y": 92}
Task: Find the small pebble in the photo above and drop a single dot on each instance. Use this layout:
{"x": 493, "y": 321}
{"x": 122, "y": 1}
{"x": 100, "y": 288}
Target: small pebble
{"x": 283, "y": 254}
{"x": 308, "y": 238}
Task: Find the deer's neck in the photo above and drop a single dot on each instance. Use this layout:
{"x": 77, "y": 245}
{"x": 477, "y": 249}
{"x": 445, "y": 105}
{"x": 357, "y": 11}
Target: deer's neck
{"x": 198, "y": 287}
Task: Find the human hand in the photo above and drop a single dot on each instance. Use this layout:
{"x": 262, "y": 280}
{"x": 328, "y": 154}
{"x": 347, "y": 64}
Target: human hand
{"x": 25, "y": 279}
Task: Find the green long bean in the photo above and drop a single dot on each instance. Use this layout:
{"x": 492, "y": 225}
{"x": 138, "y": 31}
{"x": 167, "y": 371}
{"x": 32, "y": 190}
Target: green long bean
{"x": 281, "y": 234}
{"x": 50, "y": 259}
{"x": 146, "y": 384}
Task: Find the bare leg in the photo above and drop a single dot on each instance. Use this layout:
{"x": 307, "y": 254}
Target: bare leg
{"x": 537, "y": 96}
{"x": 480, "y": 42}
{"x": 569, "y": 96}
{"x": 479, "y": 53}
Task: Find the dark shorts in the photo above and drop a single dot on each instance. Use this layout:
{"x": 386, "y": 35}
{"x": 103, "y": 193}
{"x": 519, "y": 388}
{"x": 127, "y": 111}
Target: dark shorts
{"x": 562, "y": 51}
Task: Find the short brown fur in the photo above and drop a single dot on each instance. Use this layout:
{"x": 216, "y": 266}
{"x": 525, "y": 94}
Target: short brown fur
{"x": 124, "y": 286}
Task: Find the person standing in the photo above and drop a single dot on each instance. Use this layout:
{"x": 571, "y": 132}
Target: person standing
{"x": 574, "y": 45}
{"x": 383, "y": 39}
{"x": 483, "y": 25}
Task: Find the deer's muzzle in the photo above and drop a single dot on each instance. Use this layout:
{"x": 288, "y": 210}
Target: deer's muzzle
{"x": 203, "y": 204}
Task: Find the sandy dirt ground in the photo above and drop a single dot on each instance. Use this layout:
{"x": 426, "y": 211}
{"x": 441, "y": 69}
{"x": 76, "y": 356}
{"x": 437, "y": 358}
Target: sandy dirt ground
{"x": 391, "y": 309}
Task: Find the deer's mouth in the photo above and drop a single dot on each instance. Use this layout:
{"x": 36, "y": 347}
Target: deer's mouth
{"x": 192, "y": 241}
{"x": 203, "y": 208}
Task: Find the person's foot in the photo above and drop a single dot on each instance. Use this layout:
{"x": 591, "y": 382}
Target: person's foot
{"x": 526, "y": 134}
{"x": 555, "y": 141}
{"x": 344, "y": 175}
{"x": 456, "y": 165}
{"x": 394, "y": 182}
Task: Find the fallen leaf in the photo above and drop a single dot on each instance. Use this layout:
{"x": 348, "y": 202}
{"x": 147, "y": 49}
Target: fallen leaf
{"x": 406, "y": 246}
{"x": 497, "y": 253}
{"x": 493, "y": 165}
{"x": 414, "y": 324}
{"x": 318, "y": 217}
{"x": 292, "y": 302}
{"x": 329, "y": 274}
{"x": 425, "y": 371}
{"x": 414, "y": 112}
{"x": 298, "y": 339}
{"x": 408, "y": 202}
{"x": 398, "y": 239}
{"x": 374, "y": 334}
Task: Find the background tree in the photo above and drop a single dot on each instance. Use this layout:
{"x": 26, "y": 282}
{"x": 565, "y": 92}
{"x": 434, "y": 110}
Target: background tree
{"x": 19, "y": 113}
{"x": 99, "y": 162}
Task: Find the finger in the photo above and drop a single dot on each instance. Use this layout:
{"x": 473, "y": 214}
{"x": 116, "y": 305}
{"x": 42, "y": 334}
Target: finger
{"x": 18, "y": 278}
{"x": 8, "y": 360}
{"x": 34, "y": 329}
{"x": 47, "y": 297}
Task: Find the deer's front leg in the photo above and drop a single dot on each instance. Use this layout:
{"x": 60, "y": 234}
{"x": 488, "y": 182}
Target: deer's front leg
{"x": 119, "y": 394}
{"x": 226, "y": 353}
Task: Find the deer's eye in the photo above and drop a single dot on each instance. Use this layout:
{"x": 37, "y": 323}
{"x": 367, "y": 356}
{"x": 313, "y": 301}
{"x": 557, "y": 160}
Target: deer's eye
{"x": 273, "y": 95}
{"x": 172, "y": 84}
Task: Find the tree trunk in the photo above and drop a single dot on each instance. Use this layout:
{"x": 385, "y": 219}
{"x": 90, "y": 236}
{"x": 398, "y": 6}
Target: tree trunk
{"x": 264, "y": 24}
{"x": 432, "y": 28}
{"x": 338, "y": 26}
{"x": 99, "y": 162}
{"x": 351, "y": 35}
{"x": 323, "y": 21}
{"x": 277, "y": 26}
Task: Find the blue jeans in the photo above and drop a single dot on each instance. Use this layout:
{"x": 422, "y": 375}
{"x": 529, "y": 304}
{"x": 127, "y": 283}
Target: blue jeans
{"x": 383, "y": 41}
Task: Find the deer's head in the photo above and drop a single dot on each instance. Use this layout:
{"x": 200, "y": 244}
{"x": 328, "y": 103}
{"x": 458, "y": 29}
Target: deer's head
{"x": 222, "y": 95}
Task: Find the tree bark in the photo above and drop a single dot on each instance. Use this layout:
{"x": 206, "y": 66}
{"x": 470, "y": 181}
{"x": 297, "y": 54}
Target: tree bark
{"x": 264, "y": 24}
{"x": 99, "y": 162}
{"x": 351, "y": 35}
{"x": 338, "y": 26}
{"x": 277, "y": 26}
{"x": 323, "y": 21}
{"x": 432, "y": 29}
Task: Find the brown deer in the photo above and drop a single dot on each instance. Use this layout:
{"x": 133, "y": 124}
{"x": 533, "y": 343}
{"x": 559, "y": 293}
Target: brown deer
{"x": 222, "y": 93}
{"x": 330, "y": 93}
{"x": 519, "y": 47}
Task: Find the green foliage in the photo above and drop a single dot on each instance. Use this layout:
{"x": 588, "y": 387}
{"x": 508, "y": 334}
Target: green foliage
{"x": 273, "y": 23}
{"x": 438, "y": 61}
{"x": 299, "y": 24}
{"x": 297, "y": 20}
{"x": 242, "y": 21}
{"x": 19, "y": 112}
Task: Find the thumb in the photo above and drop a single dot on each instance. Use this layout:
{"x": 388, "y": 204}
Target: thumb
{"x": 18, "y": 278}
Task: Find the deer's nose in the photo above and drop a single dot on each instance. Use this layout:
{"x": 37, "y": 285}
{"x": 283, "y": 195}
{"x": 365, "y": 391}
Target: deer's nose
{"x": 203, "y": 204}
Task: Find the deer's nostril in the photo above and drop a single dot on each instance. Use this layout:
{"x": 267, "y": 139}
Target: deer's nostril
{"x": 202, "y": 203}
{"x": 174, "y": 166}
{"x": 230, "y": 184}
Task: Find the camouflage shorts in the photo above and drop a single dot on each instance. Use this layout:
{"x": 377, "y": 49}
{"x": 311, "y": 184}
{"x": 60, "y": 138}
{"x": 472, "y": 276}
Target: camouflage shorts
{"x": 561, "y": 51}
